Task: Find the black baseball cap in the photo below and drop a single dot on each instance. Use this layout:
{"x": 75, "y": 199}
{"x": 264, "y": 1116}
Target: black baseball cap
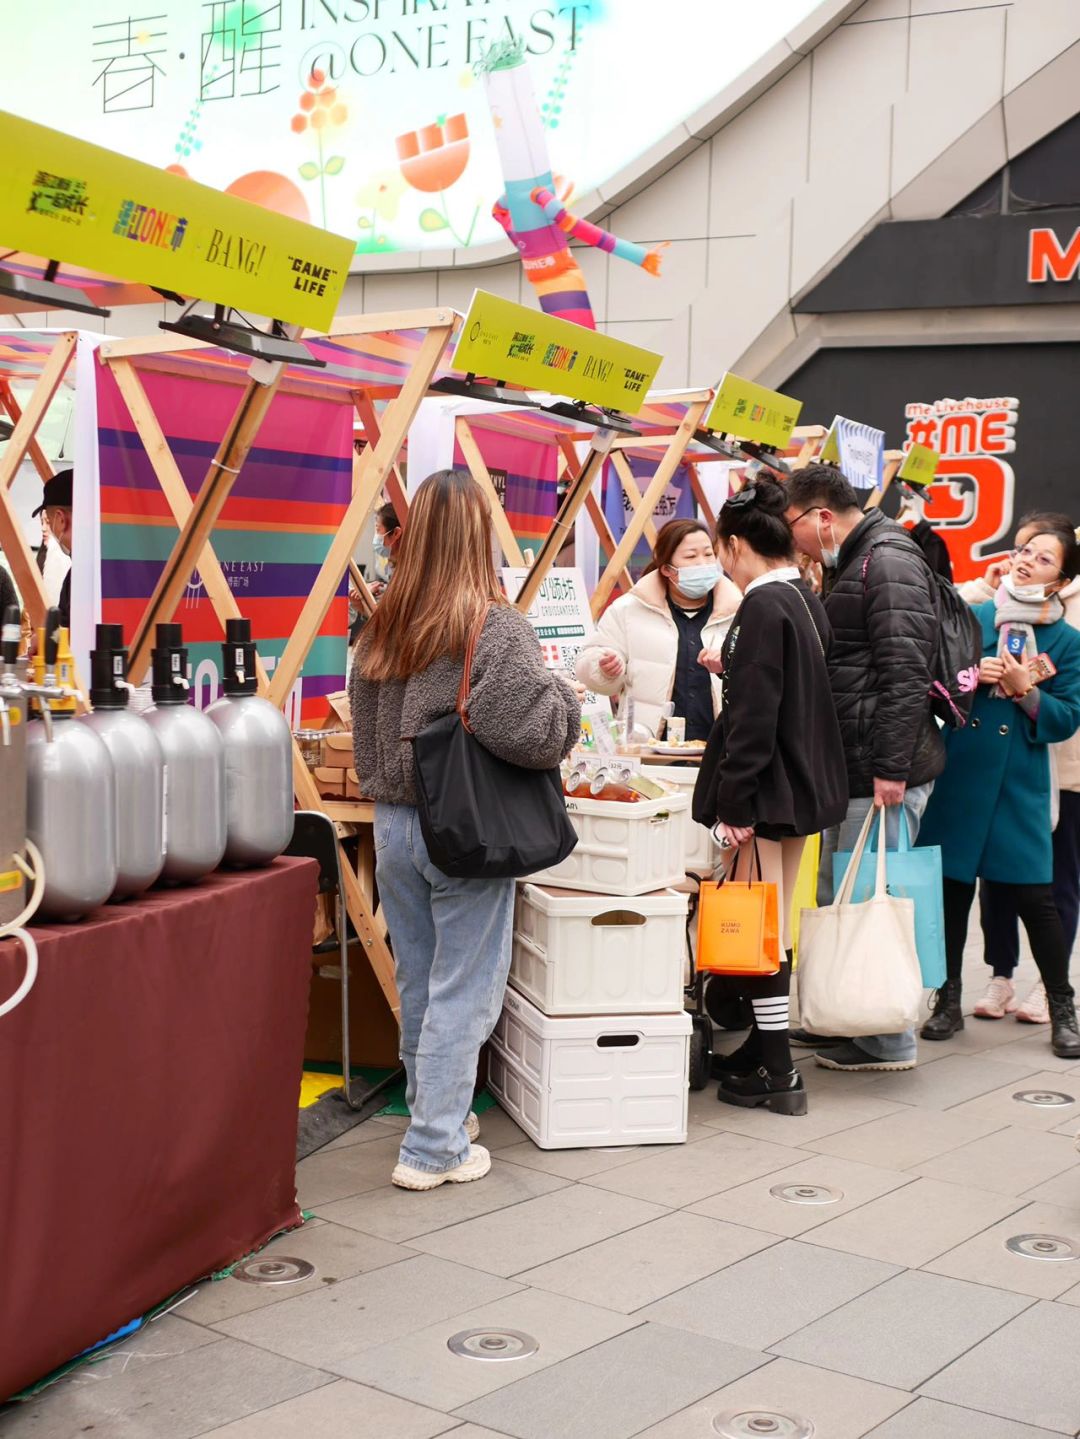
{"x": 56, "y": 493}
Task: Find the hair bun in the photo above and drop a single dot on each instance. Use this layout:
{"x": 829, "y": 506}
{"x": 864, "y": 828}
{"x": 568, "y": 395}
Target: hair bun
{"x": 771, "y": 496}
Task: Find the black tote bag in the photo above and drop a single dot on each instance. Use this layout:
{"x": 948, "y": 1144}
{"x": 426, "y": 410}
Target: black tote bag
{"x": 481, "y": 817}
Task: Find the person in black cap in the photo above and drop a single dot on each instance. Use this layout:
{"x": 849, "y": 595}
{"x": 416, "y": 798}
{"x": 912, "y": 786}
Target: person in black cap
{"x": 56, "y": 504}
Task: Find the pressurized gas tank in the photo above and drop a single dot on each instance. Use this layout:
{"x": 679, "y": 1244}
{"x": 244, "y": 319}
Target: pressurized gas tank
{"x": 70, "y": 789}
{"x": 138, "y": 763}
{"x": 12, "y": 770}
{"x": 194, "y": 767}
{"x": 258, "y": 757}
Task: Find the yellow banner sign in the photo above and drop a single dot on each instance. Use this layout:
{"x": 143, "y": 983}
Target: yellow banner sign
{"x": 70, "y": 201}
{"x": 501, "y": 340}
{"x": 920, "y": 465}
{"x": 751, "y": 412}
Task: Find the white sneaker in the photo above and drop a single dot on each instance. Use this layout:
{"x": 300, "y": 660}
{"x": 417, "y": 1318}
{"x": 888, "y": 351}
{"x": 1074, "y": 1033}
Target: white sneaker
{"x": 998, "y": 1001}
{"x": 475, "y": 1167}
{"x": 1035, "y": 1009}
{"x": 472, "y": 1126}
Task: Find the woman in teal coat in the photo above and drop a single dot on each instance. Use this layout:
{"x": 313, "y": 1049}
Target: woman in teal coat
{"x": 991, "y": 810}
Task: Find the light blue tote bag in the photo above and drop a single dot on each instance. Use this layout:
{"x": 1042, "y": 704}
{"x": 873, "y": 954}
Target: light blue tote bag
{"x": 910, "y": 874}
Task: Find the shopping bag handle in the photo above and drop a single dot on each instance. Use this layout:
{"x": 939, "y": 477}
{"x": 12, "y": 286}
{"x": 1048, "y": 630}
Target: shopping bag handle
{"x": 755, "y": 857}
{"x": 847, "y": 885}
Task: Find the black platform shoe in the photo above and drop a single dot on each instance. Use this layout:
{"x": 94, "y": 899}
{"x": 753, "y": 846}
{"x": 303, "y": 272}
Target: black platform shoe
{"x": 946, "y": 1017}
{"x": 782, "y": 1093}
{"x": 1064, "y": 1035}
{"x": 743, "y": 1060}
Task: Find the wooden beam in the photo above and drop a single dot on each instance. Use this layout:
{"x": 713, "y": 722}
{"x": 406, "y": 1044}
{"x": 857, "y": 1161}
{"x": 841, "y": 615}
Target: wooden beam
{"x": 893, "y": 460}
{"x": 17, "y": 552}
{"x": 571, "y": 466}
{"x": 45, "y": 387}
{"x": 196, "y": 530}
{"x": 34, "y": 450}
{"x": 657, "y": 485}
{"x": 697, "y": 489}
{"x": 477, "y": 467}
{"x": 395, "y": 485}
{"x": 633, "y": 494}
{"x": 346, "y": 325}
{"x": 563, "y": 526}
{"x": 373, "y": 466}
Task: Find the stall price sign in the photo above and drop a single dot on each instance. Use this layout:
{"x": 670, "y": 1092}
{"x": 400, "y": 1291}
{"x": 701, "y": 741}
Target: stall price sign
{"x": 920, "y": 465}
{"x": 751, "y": 412}
{"x": 561, "y": 617}
{"x": 501, "y": 340}
{"x": 68, "y": 200}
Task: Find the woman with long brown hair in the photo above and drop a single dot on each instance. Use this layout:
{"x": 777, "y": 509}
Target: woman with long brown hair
{"x": 451, "y": 937}
{"x": 649, "y": 643}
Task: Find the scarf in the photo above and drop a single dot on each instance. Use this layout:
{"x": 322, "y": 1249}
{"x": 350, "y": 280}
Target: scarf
{"x": 1013, "y": 616}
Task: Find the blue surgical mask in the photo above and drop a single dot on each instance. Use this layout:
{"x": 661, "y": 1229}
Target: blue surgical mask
{"x": 829, "y": 557}
{"x": 380, "y": 547}
{"x": 697, "y": 581}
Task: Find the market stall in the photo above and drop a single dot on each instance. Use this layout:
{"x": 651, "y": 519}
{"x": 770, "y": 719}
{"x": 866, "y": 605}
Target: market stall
{"x": 149, "y": 1132}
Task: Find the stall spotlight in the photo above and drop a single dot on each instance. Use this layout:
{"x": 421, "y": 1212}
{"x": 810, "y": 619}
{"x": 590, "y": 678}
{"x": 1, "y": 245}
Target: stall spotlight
{"x": 742, "y": 451}
{"x": 43, "y": 290}
{"x": 229, "y": 330}
{"x": 7, "y": 429}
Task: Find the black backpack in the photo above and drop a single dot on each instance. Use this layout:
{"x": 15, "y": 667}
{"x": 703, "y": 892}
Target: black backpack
{"x": 955, "y": 668}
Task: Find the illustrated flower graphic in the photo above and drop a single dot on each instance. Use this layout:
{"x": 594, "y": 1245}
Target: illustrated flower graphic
{"x": 432, "y": 159}
{"x": 379, "y": 199}
{"x": 321, "y": 112}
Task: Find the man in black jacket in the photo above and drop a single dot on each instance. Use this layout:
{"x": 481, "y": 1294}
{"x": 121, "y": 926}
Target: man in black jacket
{"x": 879, "y": 595}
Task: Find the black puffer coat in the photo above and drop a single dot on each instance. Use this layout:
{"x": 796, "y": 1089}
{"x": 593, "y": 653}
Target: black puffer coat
{"x": 881, "y": 606}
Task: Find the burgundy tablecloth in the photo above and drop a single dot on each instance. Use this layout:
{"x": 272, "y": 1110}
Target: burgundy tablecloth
{"x": 148, "y": 1105}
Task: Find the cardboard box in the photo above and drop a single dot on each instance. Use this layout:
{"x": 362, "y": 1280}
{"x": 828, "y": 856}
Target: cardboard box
{"x": 330, "y": 783}
{"x": 337, "y": 751}
{"x": 373, "y": 1032}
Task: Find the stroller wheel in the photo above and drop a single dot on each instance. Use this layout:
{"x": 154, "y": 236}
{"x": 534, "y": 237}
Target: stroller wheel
{"x": 700, "y": 1051}
{"x": 725, "y": 1004}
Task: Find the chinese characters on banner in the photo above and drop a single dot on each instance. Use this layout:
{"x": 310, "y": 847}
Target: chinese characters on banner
{"x": 971, "y": 499}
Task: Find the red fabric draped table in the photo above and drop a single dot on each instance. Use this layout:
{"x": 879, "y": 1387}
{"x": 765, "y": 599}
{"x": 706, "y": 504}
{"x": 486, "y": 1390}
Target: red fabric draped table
{"x": 149, "y": 1089}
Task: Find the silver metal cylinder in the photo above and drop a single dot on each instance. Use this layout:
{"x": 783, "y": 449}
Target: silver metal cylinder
{"x": 194, "y": 791}
{"x": 139, "y": 766}
{"x": 71, "y": 816}
{"x": 258, "y": 778}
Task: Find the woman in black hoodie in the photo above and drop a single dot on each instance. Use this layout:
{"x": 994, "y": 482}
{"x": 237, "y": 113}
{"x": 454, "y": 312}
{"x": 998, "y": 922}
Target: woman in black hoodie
{"x": 774, "y": 771}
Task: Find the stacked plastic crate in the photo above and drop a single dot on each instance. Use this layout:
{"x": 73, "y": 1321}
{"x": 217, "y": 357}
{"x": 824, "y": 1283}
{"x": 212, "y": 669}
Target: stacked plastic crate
{"x": 593, "y": 1042}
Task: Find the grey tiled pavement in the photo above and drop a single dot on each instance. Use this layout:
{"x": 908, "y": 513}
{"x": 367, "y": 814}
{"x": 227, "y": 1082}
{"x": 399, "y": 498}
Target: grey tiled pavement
{"x": 663, "y": 1285}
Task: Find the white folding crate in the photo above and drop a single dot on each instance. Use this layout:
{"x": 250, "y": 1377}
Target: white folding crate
{"x": 598, "y": 954}
{"x": 591, "y": 1081}
{"x": 623, "y": 848}
{"x": 702, "y": 851}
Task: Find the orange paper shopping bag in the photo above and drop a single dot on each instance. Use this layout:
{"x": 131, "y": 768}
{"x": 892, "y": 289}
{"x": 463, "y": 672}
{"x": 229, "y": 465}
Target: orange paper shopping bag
{"x": 738, "y": 928}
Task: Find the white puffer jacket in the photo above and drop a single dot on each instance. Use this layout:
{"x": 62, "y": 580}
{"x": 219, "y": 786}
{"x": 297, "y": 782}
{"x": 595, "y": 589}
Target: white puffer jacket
{"x": 1066, "y": 755}
{"x": 638, "y": 628}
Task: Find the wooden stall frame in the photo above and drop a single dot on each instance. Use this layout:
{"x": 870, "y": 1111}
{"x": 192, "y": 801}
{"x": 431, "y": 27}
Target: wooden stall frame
{"x": 23, "y": 442}
{"x": 373, "y": 470}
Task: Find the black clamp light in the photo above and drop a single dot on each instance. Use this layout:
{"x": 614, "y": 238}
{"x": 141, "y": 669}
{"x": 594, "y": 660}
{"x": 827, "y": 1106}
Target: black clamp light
{"x": 228, "y": 329}
{"x": 495, "y": 393}
{"x": 742, "y": 451}
{"x": 44, "y": 290}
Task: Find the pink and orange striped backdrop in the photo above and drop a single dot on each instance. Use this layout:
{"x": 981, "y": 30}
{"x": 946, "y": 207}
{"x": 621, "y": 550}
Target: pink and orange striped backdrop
{"x": 271, "y": 539}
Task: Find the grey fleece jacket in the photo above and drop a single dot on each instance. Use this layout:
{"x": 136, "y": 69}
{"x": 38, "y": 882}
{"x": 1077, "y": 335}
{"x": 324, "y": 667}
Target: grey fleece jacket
{"x": 520, "y": 711}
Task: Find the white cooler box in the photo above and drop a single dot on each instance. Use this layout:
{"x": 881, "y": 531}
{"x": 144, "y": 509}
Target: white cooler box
{"x": 623, "y": 848}
{"x": 592, "y": 1081}
{"x": 596, "y": 954}
{"x": 702, "y": 851}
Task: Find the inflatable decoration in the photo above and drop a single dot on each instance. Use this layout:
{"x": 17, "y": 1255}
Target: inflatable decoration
{"x": 530, "y": 211}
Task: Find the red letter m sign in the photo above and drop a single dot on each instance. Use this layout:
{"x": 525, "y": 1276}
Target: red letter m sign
{"x": 1048, "y": 261}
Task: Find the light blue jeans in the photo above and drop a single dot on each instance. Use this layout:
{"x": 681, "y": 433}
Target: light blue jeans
{"x": 451, "y": 940}
{"x": 841, "y": 838}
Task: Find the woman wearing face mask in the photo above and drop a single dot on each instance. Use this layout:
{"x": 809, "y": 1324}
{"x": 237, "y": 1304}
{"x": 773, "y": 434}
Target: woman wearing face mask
{"x": 649, "y": 642}
{"x": 387, "y": 538}
{"x": 997, "y": 913}
{"x": 990, "y": 810}
{"x": 774, "y": 770}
